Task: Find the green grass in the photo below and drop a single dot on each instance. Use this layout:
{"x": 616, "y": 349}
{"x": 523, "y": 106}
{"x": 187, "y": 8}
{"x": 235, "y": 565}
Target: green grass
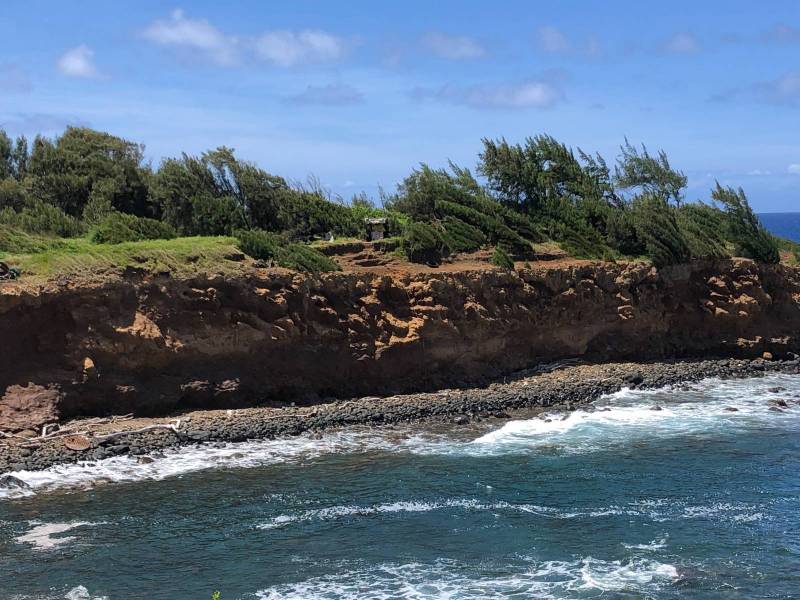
{"x": 42, "y": 258}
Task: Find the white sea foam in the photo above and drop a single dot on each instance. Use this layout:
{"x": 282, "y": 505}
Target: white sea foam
{"x": 629, "y": 416}
{"x": 448, "y": 579}
{"x": 81, "y": 593}
{"x": 651, "y": 547}
{"x": 657, "y": 511}
{"x": 41, "y": 535}
{"x": 189, "y": 459}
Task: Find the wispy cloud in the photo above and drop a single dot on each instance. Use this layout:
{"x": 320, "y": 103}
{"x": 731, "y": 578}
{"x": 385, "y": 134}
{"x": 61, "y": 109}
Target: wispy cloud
{"x": 197, "y": 35}
{"x": 453, "y": 47}
{"x": 333, "y": 94}
{"x": 681, "y": 42}
{"x": 78, "y": 62}
{"x": 782, "y": 91}
{"x": 535, "y": 93}
{"x": 794, "y": 168}
{"x": 289, "y": 49}
{"x": 553, "y": 40}
{"x": 782, "y": 34}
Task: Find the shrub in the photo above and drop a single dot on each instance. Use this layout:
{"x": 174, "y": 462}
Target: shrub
{"x": 621, "y": 233}
{"x": 461, "y": 236}
{"x": 117, "y": 228}
{"x": 307, "y": 214}
{"x": 423, "y": 243}
{"x": 500, "y": 258}
{"x": 744, "y": 229}
{"x": 656, "y": 225}
{"x": 264, "y": 245}
{"x": 703, "y": 227}
{"x": 42, "y": 218}
{"x": 213, "y": 215}
{"x": 14, "y": 241}
{"x": 11, "y": 194}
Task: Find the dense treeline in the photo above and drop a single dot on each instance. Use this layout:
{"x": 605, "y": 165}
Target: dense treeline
{"x": 86, "y": 182}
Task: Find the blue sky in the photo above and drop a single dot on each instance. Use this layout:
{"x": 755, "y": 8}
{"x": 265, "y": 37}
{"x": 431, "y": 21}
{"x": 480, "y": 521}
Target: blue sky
{"x": 358, "y": 93}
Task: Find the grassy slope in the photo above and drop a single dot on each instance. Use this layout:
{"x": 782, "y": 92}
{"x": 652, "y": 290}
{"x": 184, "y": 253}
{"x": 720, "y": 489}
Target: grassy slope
{"x": 42, "y": 258}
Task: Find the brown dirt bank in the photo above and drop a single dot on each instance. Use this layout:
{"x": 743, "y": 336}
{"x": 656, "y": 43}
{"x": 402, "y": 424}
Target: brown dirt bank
{"x": 153, "y": 345}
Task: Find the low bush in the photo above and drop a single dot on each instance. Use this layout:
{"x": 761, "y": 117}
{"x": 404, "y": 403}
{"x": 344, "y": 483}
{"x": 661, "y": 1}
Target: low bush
{"x": 500, "y": 258}
{"x": 117, "y": 228}
{"x": 14, "y": 241}
{"x": 461, "y": 236}
{"x": 41, "y": 218}
{"x": 264, "y": 245}
{"x": 424, "y": 243}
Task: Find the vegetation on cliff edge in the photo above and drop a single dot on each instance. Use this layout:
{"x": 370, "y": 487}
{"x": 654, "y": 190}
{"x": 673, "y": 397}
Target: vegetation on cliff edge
{"x": 86, "y": 191}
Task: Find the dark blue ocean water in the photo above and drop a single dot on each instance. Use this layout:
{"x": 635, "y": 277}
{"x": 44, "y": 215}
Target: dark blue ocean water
{"x": 785, "y": 225}
{"x": 691, "y": 501}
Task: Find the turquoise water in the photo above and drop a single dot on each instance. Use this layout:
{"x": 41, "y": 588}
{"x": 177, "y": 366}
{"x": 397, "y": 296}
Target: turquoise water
{"x": 786, "y": 225}
{"x": 691, "y": 501}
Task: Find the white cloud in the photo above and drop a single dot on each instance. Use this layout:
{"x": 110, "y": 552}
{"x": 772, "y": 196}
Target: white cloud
{"x": 78, "y": 62}
{"x": 550, "y": 39}
{"x": 288, "y": 48}
{"x": 682, "y": 43}
{"x": 334, "y": 94}
{"x": 794, "y": 168}
{"x": 528, "y": 94}
{"x": 180, "y": 31}
{"x": 453, "y": 47}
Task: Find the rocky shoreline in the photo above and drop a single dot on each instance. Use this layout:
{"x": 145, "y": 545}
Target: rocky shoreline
{"x": 563, "y": 386}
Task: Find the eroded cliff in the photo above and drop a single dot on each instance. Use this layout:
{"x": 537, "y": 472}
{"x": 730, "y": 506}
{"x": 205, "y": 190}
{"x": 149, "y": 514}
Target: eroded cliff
{"x": 151, "y": 345}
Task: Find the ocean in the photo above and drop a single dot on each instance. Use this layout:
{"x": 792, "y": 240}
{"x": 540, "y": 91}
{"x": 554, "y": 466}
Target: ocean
{"x": 785, "y": 225}
{"x": 688, "y": 492}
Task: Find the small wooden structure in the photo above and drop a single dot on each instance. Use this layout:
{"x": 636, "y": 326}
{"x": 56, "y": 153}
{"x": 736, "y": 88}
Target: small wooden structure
{"x": 376, "y": 228}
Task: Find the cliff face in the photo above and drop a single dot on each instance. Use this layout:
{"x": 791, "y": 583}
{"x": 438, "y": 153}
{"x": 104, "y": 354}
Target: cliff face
{"x": 152, "y": 345}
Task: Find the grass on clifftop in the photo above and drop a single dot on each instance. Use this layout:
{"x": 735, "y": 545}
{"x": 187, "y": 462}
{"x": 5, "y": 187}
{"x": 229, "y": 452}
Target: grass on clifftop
{"x": 41, "y": 258}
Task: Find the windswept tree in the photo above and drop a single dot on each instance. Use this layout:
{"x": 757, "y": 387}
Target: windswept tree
{"x": 643, "y": 172}
{"x": 749, "y": 235}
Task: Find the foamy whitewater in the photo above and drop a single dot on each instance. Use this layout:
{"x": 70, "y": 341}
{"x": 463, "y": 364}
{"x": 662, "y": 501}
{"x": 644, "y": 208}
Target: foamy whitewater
{"x": 681, "y": 492}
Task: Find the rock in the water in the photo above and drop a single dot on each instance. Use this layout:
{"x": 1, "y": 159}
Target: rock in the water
{"x": 633, "y": 378}
{"x": 9, "y": 482}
